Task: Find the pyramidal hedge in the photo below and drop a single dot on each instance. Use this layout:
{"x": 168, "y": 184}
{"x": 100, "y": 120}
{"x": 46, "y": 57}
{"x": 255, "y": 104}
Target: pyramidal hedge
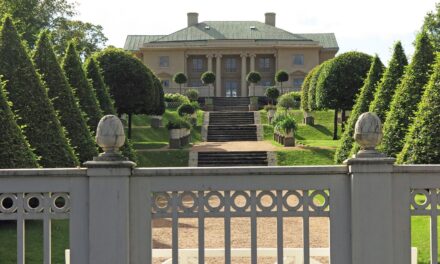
{"x": 422, "y": 144}
{"x": 63, "y": 100}
{"x": 102, "y": 93}
{"x": 15, "y": 151}
{"x": 83, "y": 89}
{"x": 31, "y": 103}
{"x": 387, "y": 86}
{"x": 407, "y": 97}
{"x": 362, "y": 103}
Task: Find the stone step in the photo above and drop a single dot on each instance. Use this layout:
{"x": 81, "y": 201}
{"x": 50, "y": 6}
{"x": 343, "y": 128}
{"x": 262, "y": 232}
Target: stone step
{"x": 236, "y": 158}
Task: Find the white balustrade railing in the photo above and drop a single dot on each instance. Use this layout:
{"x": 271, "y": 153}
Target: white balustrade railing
{"x": 368, "y": 204}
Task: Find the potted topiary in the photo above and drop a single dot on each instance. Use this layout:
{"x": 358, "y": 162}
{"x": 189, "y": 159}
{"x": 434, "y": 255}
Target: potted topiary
{"x": 253, "y": 77}
{"x": 272, "y": 93}
{"x": 208, "y": 78}
{"x": 288, "y": 126}
{"x": 189, "y": 110}
{"x": 271, "y": 110}
{"x": 174, "y": 133}
{"x": 192, "y": 94}
{"x": 180, "y": 78}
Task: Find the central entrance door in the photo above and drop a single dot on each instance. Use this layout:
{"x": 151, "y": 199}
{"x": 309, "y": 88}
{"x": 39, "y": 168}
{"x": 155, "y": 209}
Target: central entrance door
{"x": 231, "y": 87}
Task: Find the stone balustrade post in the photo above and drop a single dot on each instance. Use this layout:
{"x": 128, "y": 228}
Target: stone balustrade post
{"x": 109, "y": 176}
{"x": 372, "y": 199}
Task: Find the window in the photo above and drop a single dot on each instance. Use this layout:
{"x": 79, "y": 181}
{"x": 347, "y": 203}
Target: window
{"x": 264, "y": 64}
{"x": 298, "y": 59}
{"x": 164, "y": 61}
{"x": 166, "y": 83}
{"x": 297, "y": 83}
{"x": 231, "y": 65}
{"x": 197, "y": 64}
{"x": 266, "y": 82}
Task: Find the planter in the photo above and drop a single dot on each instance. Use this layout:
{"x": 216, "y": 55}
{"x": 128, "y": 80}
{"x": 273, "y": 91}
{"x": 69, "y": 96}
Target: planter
{"x": 253, "y": 106}
{"x": 156, "y": 121}
{"x": 270, "y": 114}
{"x": 309, "y": 120}
{"x": 289, "y": 141}
{"x": 174, "y": 133}
{"x": 209, "y": 104}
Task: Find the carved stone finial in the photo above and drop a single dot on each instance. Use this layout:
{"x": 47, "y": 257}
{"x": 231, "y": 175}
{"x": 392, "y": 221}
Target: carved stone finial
{"x": 368, "y": 134}
{"x": 110, "y": 137}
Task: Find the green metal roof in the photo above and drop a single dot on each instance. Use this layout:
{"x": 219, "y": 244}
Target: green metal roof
{"x": 230, "y": 30}
{"x": 134, "y": 42}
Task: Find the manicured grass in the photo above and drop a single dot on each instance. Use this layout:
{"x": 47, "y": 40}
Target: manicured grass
{"x": 305, "y": 156}
{"x": 169, "y": 158}
{"x": 34, "y": 241}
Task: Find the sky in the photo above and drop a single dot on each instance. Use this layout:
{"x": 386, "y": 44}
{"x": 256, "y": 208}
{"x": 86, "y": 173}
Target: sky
{"x": 370, "y": 26}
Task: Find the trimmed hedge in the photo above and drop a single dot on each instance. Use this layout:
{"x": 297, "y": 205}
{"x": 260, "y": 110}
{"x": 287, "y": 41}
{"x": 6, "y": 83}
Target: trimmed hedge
{"x": 30, "y": 102}
{"x": 305, "y": 89}
{"x": 60, "y": 92}
{"x": 83, "y": 88}
{"x": 311, "y": 98}
{"x": 422, "y": 143}
{"x": 15, "y": 151}
{"x": 361, "y": 106}
{"x": 407, "y": 97}
{"x": 290, "y": 100}
{"x": 387, "y": 86}
{"x": 94, "y": 73}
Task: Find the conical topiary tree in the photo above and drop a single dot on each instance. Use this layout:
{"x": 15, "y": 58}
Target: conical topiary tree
{"x": 15, "y": 151}
{"x": 362, "y": 103}
{"x": 387, "y": 86}
{"x": 93, "y": 72}
{"x": 60, "y": 92}
{"x": 83, "y": 89}
{"x": 407, "y": 97}
{"x": 31, "y": 103}
{"x": 422, "y": 143}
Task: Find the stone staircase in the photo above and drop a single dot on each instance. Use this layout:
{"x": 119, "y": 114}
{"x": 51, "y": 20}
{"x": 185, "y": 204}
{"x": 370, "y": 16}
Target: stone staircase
{"x": 231, "y": 126}
{"x": 231, "y": 103}
{"x": 232, "y": 159}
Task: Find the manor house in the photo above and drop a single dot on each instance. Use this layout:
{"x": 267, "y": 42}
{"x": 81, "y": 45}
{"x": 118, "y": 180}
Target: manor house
{"x": 231, "y": 49}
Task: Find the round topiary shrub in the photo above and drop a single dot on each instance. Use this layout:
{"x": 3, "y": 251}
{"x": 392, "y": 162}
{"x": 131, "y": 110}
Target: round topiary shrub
{"x": 186, "y": 109}
{"x": 192, "y": 94}
{"x": 253, "y": 77}
{"x": 272, "y": 93}
{"x": 290, "y": 100}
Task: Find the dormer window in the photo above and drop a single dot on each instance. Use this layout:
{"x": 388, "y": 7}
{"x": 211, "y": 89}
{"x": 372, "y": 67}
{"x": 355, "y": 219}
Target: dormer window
{"x": 253, "y": 27}
{"x": 207, "y": 27}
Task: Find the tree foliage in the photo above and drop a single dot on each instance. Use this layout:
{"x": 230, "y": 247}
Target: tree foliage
{"x": 339, "y": 82}
{"x": 32, "y": 16}
{"x": 63, "y": 99}
{"x": 253, "y": 77}
{"x": 305, "y": 90}
{"x": 31, "y": 103}
{"x": 422, "y": 143}
{"x": 362, "y": 103}
{"x": 407, "y": 96}
{"x": 208, "y": 77}
{"x": 94, "y": 74}
{"x": 83, "y": 88}
{"x": 432, "y": 26}
{"x": 15, "y": 151}
{"x": 387, "y": 86}
{"x": 311, "y": 98}
{"x": 281, "y": 76}
{"x": 88, "y": 37}
{"x": 272, "y": 93}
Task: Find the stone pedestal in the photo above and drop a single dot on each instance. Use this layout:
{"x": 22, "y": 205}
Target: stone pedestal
{"x": 156, "y": 122}
{"x": 253, "y": 106}
{"x": 309, "y": 120}
{"x": 209, "y": 104}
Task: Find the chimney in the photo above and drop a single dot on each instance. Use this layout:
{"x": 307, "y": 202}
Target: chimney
{"x": 270, "y": 19}
{"x": 193, "y": 19}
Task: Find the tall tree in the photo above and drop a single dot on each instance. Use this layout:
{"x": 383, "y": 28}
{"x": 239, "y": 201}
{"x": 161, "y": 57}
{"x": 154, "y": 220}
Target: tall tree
{"x": 31, "y": 103}
{"x": 129, "y": 80}
{"x": 83, "y": 89}
{"x": 422, "y": 143}
{"x": 407, "y": 96}
{"x": 63, "y": 99}
{"x": 432, "y": 26}
{"x": 388, "y": 84}
{"x": 32, "y": 16}
{"x": 362, "y": 103}
{"x": 339, "y": 83}
{"x": 94, "y": 73}
{"x": 15, "y": 151}
{"x": 88, "y": 38}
